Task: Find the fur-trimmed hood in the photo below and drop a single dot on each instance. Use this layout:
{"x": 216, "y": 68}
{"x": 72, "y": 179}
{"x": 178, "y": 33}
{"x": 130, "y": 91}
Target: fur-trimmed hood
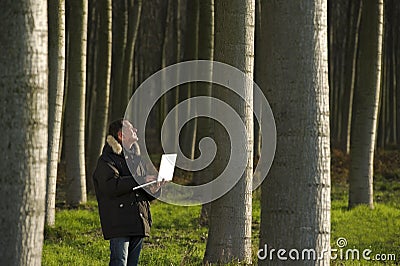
{"x": 117, "y": 147}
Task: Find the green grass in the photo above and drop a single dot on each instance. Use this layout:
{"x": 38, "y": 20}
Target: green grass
{"x": 76, "y": 239}
{"x": 377, "y": 230}
{"x": 178, "y": 239}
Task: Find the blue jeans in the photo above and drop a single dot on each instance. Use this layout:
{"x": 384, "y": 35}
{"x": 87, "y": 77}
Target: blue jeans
{"x": 125, "y": 251}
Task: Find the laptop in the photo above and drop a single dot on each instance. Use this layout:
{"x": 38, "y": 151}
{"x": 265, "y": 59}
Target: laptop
{"x": 167, "y": 166}
{"x": 166, "y": 172}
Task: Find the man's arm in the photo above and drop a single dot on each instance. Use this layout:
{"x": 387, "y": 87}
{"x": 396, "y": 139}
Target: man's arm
{"x": 110, "y": 183}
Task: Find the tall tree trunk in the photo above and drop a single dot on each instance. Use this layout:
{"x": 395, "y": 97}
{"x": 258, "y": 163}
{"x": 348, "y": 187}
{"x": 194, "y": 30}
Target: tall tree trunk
{"x": 204, "y": 126}
{"x": 396, "y": 55}
{"x": 172, "y": 98}
{"x": 23, "y": 112}
{"x": 91, "y": 63}
{"x": 333, "y": 29}
{"x": 339, "y": 28}
{"x": 257, "y": 47}
{"x": 170, "y": 50}
{"x": 56, "y": 25}
{"x": 119, "y": 39}
{"x": 295, "y": 203}
{"x": 366, "y": 96}
{"x": 188, "y": 90}
{"x": 75, "y": 107}
{"x": 148, "y": 52}
{"x": 101, "y": 97}
{"x": 389, "y": 68}
{"x": 234, "y": 44}
{"x": 134, "y": 12}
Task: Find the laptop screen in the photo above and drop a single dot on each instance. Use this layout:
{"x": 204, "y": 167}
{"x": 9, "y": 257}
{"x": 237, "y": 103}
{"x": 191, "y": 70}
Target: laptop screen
{"x": 167, "y": 167}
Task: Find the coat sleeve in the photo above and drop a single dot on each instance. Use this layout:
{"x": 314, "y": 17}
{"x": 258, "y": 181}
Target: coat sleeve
{"x": 143, "y": 172}
{"x": 109, "y": 183}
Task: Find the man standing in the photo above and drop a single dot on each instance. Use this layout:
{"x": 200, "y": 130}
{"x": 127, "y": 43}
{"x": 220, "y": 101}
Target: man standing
{"x": 124, "y": 213}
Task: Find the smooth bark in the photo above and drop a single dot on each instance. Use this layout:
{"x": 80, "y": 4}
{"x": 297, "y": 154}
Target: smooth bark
{"x": 366, "y": 106}
{"x": 24, "y": 113}
{"x": 229, "y": 236}
{"x": 56, "y": 98}
{"x": 75, "y": 108}
{"x": 295, "y": 200}
{"x": 101, "y": 93}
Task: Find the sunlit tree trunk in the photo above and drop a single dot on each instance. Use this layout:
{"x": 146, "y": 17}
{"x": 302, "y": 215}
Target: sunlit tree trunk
{"x": 229, "y": 236}
{"x": 366, "y": 98}
{"x": 75, "y": 107}
{"x": 24, "y": 113}
{"x": 56, "y": 96}
{"x": 101, "y": 92}
{"x": 295, "y": 204}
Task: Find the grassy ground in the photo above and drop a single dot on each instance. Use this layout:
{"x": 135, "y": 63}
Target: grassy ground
{"x": 178, "y": 239}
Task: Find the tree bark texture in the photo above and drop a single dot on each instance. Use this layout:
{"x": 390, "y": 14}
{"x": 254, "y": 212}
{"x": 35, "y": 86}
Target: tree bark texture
{"x": 75, "y": 107}
{"x": 366, "y": 99}
{"x": 229, "y": 237}
{"x": 56, "y": 96}
{"x": 101, "y": 96}
{"x": 295, "y": 204}
{"x": 23, "y": 112}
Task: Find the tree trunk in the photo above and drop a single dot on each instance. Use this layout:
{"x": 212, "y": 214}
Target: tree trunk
{"x": 188, "y": 90}
{"x": 148, "y": 53}
{"x": 295, "y": 203}
{"x": 366, "y": 96}
{"x": 101, "y": 97}
{"x": 257, "y": 47}
{"x": 396, "y": 65}
{"x": 170, "y": 56}
{"x": 134, "y": 12}
{"x": 204, "y": 125}
{"x": 119, "y": 39}
{"x": 396, "y": 51}
{"x": 24, "y": 113}
{"x": 56, "y": 95}
{"x": 234, "y": 44}
{"x": 75, "y": 108}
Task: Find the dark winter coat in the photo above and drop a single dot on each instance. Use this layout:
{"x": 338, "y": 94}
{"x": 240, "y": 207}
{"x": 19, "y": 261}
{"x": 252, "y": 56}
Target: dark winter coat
{"x": 123, "y": 212}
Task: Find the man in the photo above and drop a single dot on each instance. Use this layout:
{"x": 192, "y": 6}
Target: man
{"x": 124, "y": 213}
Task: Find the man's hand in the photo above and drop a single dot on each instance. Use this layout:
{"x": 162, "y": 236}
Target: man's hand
{"x": 156, "y": 186}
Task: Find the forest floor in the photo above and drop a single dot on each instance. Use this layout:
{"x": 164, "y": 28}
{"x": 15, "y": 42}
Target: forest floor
{"x": 178, "y": 239}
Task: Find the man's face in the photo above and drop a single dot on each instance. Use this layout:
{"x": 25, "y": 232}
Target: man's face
{"x": 129, "y": 136}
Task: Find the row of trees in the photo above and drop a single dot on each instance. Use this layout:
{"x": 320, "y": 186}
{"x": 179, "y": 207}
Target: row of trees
{"x": 68, "y": 72}
{"x": 345, "y": 26}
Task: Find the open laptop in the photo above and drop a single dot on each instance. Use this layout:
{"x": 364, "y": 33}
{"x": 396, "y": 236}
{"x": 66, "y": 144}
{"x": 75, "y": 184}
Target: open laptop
{"x": 166, "y": 172}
